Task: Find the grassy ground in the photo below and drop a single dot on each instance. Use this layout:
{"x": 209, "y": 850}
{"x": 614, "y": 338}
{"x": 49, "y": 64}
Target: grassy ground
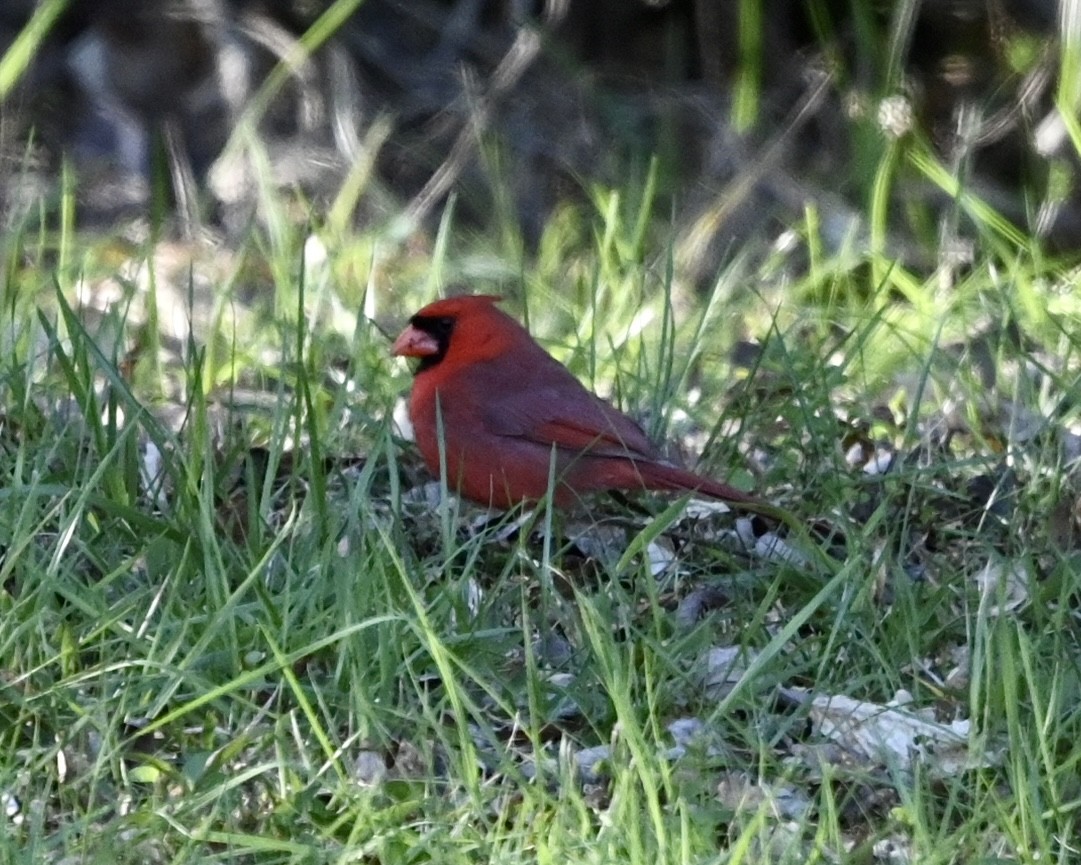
{"x": 237, "y": 623}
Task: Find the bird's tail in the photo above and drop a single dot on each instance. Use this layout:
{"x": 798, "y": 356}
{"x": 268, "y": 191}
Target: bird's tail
{"x": 658, "y": 476}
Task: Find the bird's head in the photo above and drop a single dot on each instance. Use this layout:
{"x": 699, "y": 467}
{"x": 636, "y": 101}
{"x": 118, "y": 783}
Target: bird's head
{"x": 463, "y": 329}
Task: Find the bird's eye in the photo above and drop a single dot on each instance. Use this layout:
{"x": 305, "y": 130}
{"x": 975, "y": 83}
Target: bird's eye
{"x": 441, "y": 327}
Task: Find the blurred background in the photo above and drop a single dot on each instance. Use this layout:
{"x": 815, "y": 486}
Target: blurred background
{"x": 735, "y": 115}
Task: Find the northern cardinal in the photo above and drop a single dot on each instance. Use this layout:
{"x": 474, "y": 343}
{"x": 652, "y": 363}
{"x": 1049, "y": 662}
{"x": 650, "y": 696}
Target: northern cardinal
{"x": 505, "y": 408}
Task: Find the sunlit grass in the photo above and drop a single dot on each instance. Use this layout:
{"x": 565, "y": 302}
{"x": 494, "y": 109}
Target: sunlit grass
{"x": 218, "y": 660}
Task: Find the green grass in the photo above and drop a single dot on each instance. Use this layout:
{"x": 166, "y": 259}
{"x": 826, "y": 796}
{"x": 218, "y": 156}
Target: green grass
{"x": 275, "y": 650}
{"x": 281, "y": 656}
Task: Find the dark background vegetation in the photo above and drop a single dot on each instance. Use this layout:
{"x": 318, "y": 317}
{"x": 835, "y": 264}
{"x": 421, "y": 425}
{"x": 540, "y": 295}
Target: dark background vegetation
{"x": 750, "y": 109}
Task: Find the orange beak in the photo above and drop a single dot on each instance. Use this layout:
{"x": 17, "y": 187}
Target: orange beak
{"x": 414, "y": 342}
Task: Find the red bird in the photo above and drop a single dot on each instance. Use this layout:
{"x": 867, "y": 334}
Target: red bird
{"x": 506, "y": 408}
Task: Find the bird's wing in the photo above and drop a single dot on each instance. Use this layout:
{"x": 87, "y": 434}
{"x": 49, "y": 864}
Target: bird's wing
{"x": 569, "y": 418}
{"x": 529, "y": 395}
